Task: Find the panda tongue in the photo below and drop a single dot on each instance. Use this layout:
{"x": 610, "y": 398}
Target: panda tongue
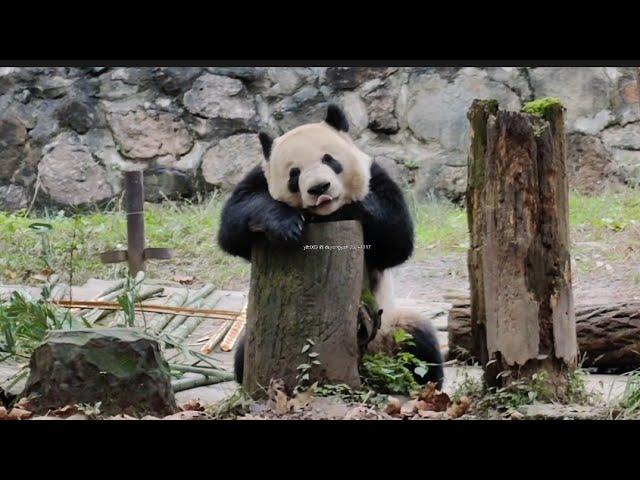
{"x": 323, "y": 199}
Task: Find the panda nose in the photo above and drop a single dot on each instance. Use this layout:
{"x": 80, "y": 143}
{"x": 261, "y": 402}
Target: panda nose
{"x": 319, "y": 189}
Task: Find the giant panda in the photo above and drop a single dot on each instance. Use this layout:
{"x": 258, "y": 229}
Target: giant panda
{"x": 316, "y": 172}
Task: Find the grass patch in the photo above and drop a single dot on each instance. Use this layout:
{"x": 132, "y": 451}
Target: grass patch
{"x": 73, "y": 243}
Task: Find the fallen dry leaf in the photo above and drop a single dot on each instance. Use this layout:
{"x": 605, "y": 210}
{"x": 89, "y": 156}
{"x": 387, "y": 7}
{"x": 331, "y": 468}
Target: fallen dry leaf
{"x": 65, "y": 411}
{"x": 9, "y": 274}
{"x": 516, "y": 416}
{"x": 409, "y": 408}
{"x": 188, "y": 415}
{"x": 300, "y": 401}
{"x": 393, "y": 406}
{"x": 278, "y": 399}
{"x": 3, "y": 413}
{"x": 458, "y": 409}
{"x": 184, "y": 279}
{"x": 191, "y": 405}
{"x": 19, "y": 414}
{"x": 436, "y": 400}
{"x": 432, "y": 415}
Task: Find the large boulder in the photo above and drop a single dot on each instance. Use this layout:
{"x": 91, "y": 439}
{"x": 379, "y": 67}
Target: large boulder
{"x": 436, "y": 108}
{"x": 13, "y": 198}
{"x": 13, "y": 136}
{"x": 216, "y": 96}
{"x": 119, "y": 367}
{"x": 585, "y": 91}
{"x": 69, "y": 174}
{"x": 147, "y": 134}
{"x": 590, "y": 165}
{"x": 225, "y": 164}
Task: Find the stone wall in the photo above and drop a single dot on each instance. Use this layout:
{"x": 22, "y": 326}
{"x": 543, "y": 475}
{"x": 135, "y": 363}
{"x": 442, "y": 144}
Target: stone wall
{"x": 66, "y": 134}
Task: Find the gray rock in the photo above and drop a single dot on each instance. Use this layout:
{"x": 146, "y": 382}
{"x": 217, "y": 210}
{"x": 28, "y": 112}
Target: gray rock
{"x": 584, "y": 91}
{"x": 162, "y": 183}
{"x": 225, "y": 164}
{"x": 47, "y": 125}
{"x": 78, "y": 114}
{"x": 628, "y": 162}
{"x": 249, "y": 74}
{"x": 356, "y": 112}
{"x": 307, "y": 105}
{"x": 187, "y": 163}
{"x": 146, "y": 134}
{"x": 591, "y": 166}
{"x": 624, "y": 138}
{"x": 13, "y": 136}
{"x": 624, "y": 96}
{"x": 13, "y": 198}
{"x": 515, "y": 78}
{"x": 348, "y": 78}
{"x": 381, "y": 105}
{"x": 70, "y": 176}
{"x": 175, "y": 80}
{"x": 119, "y": 367}
{"x": 285, "y": 80}
{"x": 437, "y": 109}
{"x": 215, "y": 96}
{"x": 448, "y": 182}
{"x": 51, "y": 86}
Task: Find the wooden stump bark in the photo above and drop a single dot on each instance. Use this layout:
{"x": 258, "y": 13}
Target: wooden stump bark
{"x": 608, "y": 335}
{"x": 308, "y": 293}
{"x": 520, "y": 272}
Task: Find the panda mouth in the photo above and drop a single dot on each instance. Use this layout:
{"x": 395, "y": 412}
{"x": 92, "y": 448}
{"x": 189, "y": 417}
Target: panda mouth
{"x": 322, "y": 199}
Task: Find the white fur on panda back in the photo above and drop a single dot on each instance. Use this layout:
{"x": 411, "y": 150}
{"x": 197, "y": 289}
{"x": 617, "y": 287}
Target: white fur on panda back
{"x": 393, "y": 317}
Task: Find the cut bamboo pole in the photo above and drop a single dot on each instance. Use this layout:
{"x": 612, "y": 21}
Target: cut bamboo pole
{"x": 199, "y": 381}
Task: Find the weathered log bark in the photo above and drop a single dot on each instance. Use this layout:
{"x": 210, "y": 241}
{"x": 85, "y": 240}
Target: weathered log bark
{"x": 608, "y": 335}
{"x": 519, "y": 264}
{"x": 312, "y": 292}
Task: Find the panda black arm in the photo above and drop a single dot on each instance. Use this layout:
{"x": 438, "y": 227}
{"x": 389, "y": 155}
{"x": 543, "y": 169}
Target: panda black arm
{"x": 249, "y": 211}
{"x": 386, "y": 221}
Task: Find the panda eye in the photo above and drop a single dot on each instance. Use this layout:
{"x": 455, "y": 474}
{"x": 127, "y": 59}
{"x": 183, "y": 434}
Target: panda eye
{"x": 294, "y": 176}
{"x": 334, "y": 164}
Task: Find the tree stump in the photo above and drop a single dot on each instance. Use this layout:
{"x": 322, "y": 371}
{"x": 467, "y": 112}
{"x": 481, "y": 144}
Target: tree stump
{"x": 307, "y": 293}
{"x": 608, "y": 335}
{"x": 121, "y": 368}
{"x": 520, "y": 272}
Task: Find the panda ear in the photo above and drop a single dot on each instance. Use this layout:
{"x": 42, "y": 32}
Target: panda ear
{"x": 336, "y": 118}
{"x": 267, "y": 142}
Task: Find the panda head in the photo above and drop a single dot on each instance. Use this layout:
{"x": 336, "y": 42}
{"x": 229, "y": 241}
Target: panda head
{"x": 316, "y": 166}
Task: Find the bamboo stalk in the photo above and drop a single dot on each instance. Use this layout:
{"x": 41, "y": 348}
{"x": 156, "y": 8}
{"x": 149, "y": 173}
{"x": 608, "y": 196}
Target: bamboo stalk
{"x": 216, "y": 338}
{"x": 201, "y": 370}
{"x": 234, "y": 332}
{"x": 159, "y": 321}
{"x": 199, "y": 381}
{"x": 138, "y": 298}
{"x": 178, "y": 320}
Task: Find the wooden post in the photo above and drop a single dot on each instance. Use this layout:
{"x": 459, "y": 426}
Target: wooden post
{"x": 136, "y": 254}
{"x": 309, "y": 293}
{"x": 520, "y": 272}
{"x": 135, "y": 221}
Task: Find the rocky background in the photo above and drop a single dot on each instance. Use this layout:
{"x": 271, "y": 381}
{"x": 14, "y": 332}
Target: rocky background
{"x": 67, "y": 134}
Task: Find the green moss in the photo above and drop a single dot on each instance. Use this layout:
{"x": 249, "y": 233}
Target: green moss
{"x": 541, "y": 107}
{"x": 490, "y": 104}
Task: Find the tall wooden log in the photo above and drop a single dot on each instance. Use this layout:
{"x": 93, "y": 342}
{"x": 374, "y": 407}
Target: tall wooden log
{"x": 520, "y": 270}
{"x": 311, "y": 292}
{"x": 608, "y": 335}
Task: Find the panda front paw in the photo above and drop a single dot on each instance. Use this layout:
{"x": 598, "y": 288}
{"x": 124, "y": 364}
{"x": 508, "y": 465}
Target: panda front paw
{"x": 285, "y": 227}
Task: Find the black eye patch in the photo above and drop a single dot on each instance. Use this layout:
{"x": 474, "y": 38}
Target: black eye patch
{"x": 332, "y": 163}
{"x": 294, "y": 175}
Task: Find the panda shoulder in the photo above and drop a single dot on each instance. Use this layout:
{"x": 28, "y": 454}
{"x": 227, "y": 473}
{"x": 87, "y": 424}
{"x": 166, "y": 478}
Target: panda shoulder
{"x": 254, "y": 179}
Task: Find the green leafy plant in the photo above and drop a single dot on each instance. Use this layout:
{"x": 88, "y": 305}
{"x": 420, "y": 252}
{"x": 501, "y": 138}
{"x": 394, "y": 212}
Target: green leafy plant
{"x": 24, "y": 322}
{"x": 235, "y": 405}
{"x": 394, "y": 374}
{"x": 304, "y": 375}
{"x": 629, "y": 404}
{"x": 128, "y": 297}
